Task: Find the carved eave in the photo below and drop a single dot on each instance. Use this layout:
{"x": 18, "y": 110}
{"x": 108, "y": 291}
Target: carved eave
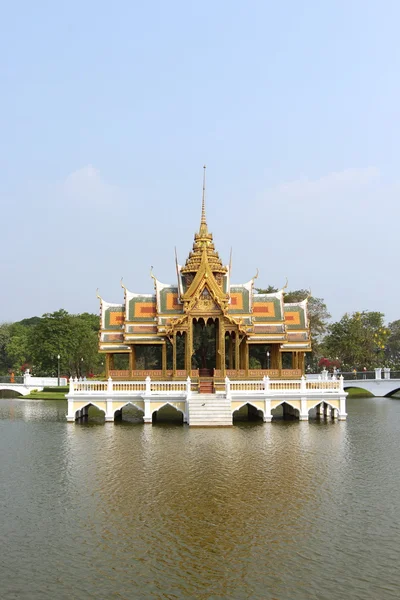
{"x": 204, "y": 277}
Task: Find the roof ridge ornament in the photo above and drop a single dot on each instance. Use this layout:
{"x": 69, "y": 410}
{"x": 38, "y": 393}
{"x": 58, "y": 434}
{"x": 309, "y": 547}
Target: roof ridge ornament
{"x": 203, "y": 221}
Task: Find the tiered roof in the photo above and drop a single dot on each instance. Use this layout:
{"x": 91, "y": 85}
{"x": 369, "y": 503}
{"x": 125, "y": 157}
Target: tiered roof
{"x": 203, "y": 282}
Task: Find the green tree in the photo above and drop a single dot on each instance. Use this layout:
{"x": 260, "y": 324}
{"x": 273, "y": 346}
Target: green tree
{"x": 5, "y": 335}
{"x": 358, "y": 340}
{"x": 18, "y": 346}
{"x": 392, "y": 349}
{"x": 73, "y": 337}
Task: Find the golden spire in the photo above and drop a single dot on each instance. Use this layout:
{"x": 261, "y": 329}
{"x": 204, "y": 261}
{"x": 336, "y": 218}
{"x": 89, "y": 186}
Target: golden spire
{"x": 203, "y": 240}
{"x": 203, "y": 222}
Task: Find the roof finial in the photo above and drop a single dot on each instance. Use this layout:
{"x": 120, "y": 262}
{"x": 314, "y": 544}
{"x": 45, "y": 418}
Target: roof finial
{"x": 203, "y": 222}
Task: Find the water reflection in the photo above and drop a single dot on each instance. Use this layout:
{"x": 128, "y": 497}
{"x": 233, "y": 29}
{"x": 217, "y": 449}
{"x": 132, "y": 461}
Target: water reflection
{"x": 283, "y": 510}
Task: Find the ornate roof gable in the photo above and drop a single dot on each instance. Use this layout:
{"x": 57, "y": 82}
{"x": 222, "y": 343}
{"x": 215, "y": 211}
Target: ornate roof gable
{"x": 204, "y": 279}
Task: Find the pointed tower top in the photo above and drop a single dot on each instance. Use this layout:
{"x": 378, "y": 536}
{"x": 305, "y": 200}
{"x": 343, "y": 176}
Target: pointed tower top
{"x": 203, "y": 222}
{"x": 203, "y": 240}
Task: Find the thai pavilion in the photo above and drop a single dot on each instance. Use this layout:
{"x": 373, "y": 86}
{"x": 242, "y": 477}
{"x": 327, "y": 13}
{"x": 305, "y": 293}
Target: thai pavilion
{"x": 203, "y": 326}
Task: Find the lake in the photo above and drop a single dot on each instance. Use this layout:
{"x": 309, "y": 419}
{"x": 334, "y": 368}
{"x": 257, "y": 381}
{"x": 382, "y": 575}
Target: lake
{"x": 282, "y": 511}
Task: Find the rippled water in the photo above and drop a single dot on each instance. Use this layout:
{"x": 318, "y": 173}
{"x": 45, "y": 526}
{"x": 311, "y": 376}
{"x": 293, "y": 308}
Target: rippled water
{"x": 287, "y": 510}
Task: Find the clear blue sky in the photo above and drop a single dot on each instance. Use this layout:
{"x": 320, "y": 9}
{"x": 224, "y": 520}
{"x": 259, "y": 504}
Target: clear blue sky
{"x": 108, "y": 110}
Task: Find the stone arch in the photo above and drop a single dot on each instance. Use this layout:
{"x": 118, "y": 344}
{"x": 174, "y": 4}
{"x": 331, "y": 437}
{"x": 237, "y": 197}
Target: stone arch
{"x": 15, "y": 390}
{"x": 249, "y": 403}
{"x": 129, "y": 403}
{"x": 117, "y": 413}
{"x": 165, "y": 405}
{"x": 295, "y": 412}
{"x": 358, "y": 387}
{"x": 389, "y": 394}
{"x": 87, "y": 406}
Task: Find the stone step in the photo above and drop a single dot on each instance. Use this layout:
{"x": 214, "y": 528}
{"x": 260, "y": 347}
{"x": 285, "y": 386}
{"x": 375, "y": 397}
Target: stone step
{"x": 206, "y": 410}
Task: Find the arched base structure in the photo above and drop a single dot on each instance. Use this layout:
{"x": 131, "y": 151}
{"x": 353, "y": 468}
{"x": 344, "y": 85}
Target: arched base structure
{"x": 130, "y": 413}
{"x": 82, "y": 413}
{"x": 253, "y": 399}
{"x": 248, "y": 412}
{"x": 168, "y": 414}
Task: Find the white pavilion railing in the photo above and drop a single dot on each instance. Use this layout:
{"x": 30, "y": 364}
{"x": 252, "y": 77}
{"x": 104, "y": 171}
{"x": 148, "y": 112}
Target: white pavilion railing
{"x": 115, "y": 388}
{"x": 263, "y": 387}
{"x": 273, "y": 386}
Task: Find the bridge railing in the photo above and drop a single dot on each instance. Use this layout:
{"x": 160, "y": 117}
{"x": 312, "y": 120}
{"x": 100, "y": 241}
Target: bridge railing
{"x": 384, "y": 373}
{"x": 11, "y": 379}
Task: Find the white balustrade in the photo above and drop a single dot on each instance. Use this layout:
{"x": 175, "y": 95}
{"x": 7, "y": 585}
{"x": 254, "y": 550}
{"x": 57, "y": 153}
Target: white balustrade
{"x": 280, "y": 386}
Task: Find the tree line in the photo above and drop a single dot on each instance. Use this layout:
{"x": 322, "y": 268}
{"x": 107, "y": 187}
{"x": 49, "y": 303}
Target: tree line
{"x": 37, "y": 342}
{"x": 358, "y": 340}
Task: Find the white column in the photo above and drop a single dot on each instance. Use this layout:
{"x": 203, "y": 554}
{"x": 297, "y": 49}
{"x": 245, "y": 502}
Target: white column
{"x": 188, "y": 388}
{"x": 148, "y": 385}
{"x": 342, "y": 408}
{"x": 109, "y": 410}
{"x": 386, "y": 373}
{"x": 266, "y": 383}
{"x": 378, "y": 373}
{"x": 327, "y": 410}
{"x": 227, "y": 387}
{"x": 27, "y": 377}
{"x": 267, "y": 410}
{"x": 303, "y": 410}
{"x": 71, "y": 412}
{"x": 147, "y": 410}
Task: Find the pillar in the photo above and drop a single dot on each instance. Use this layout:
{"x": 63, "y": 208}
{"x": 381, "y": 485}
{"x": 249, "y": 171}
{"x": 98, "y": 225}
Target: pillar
{"x": 342, "y": 408}
{"x": 188, "y": 347}
{"x": 221, "y": 333}
{"x": 267, "y": 410}
{"x": 327, "y": 411}
{"x": 108, "y": 365}
{"x": 164, "y": 358}
{"x": 71, "y": 411}
{"x": 279, "y": 359}
{"x": 230, "y": 350}
{"x": 303, "y": 410}
{"x": 147, "y": 411}
{"x": 174, "y": 354}
{"x": 237, "y": 348}
{"x": 245, "y": 356}
{"x": 300, "y": 361}
{"x": 132, "y": 361}
{"x": 109, "y": 411}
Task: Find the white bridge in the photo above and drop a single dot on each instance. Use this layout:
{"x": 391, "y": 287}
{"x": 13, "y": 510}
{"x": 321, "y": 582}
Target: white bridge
{"x": 27, "y": 384}
{"x": 298, "y": 398}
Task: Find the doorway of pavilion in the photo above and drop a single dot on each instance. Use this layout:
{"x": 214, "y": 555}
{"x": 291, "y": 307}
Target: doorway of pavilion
{"x": 205, "y": 335}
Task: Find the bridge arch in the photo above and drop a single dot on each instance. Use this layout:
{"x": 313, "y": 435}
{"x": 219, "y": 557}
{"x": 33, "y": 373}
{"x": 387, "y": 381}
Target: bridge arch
{"x": 83, "y": 411}
{"x": 118, "y": 411}
{"x": 17, "y": 389}
{"x": 288, "y": 409}
{"x": 256, "y": 412}
{"x": 155, "y": 412}
{"x": 392, "y": 392}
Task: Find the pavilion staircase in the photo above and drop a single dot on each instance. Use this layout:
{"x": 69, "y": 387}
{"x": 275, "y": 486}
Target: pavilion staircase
{"x": 209, "y": 410}
{"x": 206, "y": 386}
